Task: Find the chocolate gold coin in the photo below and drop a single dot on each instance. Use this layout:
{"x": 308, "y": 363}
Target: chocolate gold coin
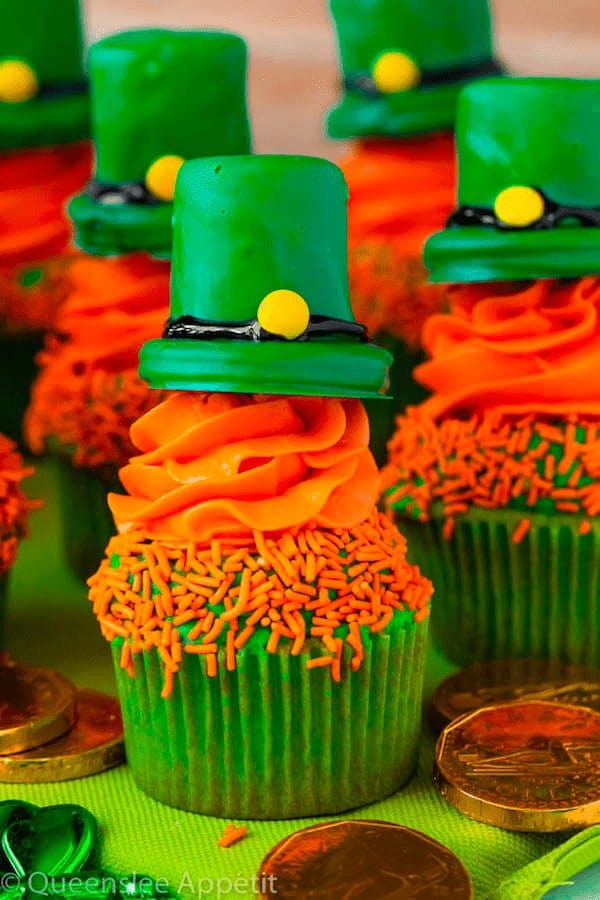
{"x": 509, "y": 680}
{"x": 529, "y": 766}
{"x": 362, "y": 860}
{"x": 36, "y": 706}
{"x": 95, "y": 743}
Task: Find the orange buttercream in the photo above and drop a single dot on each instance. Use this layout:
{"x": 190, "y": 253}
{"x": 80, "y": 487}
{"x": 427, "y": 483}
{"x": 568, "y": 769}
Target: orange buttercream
{"x": 35, "y": 232}
{"x": 214, "y": 465}
{"x": 35, "y": 186}
{"x": 401, "y": 192}
{"x": 88, "y": 392}
{"x": 515, "y": 348}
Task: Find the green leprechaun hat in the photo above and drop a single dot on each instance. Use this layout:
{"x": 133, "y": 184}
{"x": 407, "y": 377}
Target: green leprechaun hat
{"x": 404, "y": 62}
{"x": 259, "y": 286}
{"x": 43, "y": 93}
{"x": 158, "y": 98}
{"x": 529, "y": 183}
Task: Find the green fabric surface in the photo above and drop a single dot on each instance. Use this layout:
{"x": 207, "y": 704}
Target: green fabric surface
{"x": 49, "y": 623}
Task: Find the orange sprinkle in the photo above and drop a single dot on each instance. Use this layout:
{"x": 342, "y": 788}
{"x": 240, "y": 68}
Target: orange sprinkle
{"x": 521, "y": 530}
{"x": 232, "y": 834}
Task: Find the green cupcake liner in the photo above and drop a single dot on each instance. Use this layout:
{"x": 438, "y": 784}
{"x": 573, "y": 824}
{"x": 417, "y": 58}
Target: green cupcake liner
{"x": 496, "y": 599}
{"x": 17, "y": 372}
{"x": 273, "y": 739}
{"x": 403, "y": 391}
{"x": 86, "y": 519}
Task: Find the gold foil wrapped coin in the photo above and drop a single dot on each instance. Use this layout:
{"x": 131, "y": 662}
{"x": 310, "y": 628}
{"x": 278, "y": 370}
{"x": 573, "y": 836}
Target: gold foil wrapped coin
{"x": 509, "y": 680}
{"x": 94, "y": 744}
{"x": 36, "y": 706}
{"x": 362, "y": 860}
{"x": 528, "y": 766}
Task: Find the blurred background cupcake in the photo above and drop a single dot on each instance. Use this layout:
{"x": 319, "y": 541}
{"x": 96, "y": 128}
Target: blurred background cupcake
{"x": 14, "y": 510}
{"x": 401, "y": 79}
{"x": 146, "y": 121}
{"x": 44, "y": 160}
{"x": 495, "y": 478}
{"x": 263, "y": 618}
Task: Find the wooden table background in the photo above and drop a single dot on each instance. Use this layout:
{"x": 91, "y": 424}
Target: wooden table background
{"x": 293, "y": 71}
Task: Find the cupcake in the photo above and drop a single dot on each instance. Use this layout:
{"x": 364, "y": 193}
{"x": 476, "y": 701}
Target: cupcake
{"x": 262, "y": 616}
{"x": 495, "y": 477}
{"x": 44, "y": 160}
{"x": 401, "y": 82}
{"x": 88, "y": 391}
{"x": 14, "y": 510}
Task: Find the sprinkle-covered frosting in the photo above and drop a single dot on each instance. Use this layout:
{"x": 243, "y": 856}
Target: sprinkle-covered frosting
{"x": 214, "y": 464}
{"x": 88, "y": 391}
{"x": 493, "y": 461}
{"x": 312, "y": 590}
{"x": 400, "y": 193}
{"x": 14, "y": 506}
{"x": 514, "y": 421}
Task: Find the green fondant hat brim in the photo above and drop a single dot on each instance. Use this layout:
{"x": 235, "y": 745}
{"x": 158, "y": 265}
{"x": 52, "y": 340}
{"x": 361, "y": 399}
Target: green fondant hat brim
{"x": 105, "y": 229}
{"x": 44, "y": 122}
{"x": 315, "y": 368}
{"x": 395, "y": 115}
{"x": 474, "y": 254}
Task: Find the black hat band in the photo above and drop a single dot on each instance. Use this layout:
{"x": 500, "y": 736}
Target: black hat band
{"x": 553, "y": 215}
{"x": 191, "y": 328}
{"x": 363, "y": 82}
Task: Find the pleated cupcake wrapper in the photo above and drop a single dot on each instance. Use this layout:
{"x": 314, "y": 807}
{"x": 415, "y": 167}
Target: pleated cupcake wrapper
{"x": 273, "y": 739}
{"x": 403, "y": 391}
{"x": 496, "y": 599}
{"x": 86, "y": 519}
{"x": 17, "y": 372}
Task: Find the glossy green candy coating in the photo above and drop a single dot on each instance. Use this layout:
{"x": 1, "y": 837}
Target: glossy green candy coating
{"x": 243, "y": 227}
{"x": 161, "y": 92}
{"x": 47, "y": 850}
{"x": 45, "y": 34}
{"x": 437, "y": 34}
{"x": 542, "y": 133}
{"x": 158, "y": 93}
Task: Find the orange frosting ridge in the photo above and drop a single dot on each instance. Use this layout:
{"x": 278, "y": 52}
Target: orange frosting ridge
{"x": 401, "y": 192}
{"x": 401, "y": 188}
{"x": 88, "y": 392}
{"x": 34, "y": 188}
{"x": 224, "y": 464}
{"x": 515, "y": 348}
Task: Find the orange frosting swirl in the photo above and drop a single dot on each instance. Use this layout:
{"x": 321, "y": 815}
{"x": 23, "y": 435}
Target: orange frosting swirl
{"x": 402, "y": 188}
{"x": 401, "y": 192}
{"x": 515, "y": 348}
{"x": 88, "y": 392}
{"x": 34, "y": 188}
{"x": 225, "y": 464}
{"x": 115, "y": 305}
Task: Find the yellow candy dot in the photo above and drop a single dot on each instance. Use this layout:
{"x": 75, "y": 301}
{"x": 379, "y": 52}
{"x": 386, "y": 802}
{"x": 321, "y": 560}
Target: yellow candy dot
{"x": 18, "y": 81}
{"x": 284, "y": 313}
{"x": 519, "y": 206}
{"x": 395, "y": 71}
{"x": 162, "y": 175}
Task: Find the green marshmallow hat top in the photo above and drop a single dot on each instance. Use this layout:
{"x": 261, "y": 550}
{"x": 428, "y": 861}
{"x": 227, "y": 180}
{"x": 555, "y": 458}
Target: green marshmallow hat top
{"x": 158, "y": 98}
{"x": 259, "y": 287}
{"x": 404, "y": 62}
{"x": 43, "y": 93}
{"x": 529, "y": 183}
